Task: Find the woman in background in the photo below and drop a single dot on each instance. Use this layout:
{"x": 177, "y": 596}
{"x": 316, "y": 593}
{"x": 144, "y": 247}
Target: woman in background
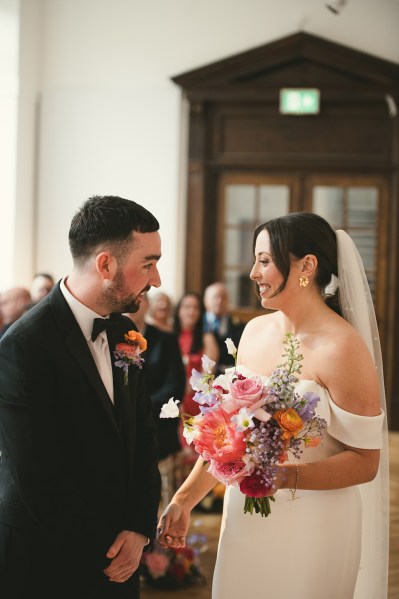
{"x": 194, "y": 343}
{"x": 160, "y": 311}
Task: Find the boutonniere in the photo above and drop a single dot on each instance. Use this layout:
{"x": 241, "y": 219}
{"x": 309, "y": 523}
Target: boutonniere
{"x": 128, "y": 353}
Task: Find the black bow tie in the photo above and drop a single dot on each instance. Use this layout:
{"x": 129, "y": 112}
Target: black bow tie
{"x": 104, "y": 324}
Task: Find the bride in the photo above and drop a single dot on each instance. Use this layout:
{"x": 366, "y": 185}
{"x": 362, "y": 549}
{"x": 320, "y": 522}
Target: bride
{"x": 332, "y": 541}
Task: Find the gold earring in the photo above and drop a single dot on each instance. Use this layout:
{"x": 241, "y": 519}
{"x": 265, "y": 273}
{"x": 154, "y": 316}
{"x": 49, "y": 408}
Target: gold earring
{"x": 303, "y": 281}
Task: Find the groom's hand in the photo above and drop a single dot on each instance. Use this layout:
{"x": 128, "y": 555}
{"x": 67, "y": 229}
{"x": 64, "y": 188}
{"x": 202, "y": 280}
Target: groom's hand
{"x": 125, "y": 554}
{"x": 173, "y": 526}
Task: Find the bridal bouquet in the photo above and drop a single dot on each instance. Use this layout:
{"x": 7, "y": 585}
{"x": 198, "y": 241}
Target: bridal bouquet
{"x": 247, "y": 427}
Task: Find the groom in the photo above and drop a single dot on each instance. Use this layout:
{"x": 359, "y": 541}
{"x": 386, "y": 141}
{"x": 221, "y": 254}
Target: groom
{"x": 79, "y": 483}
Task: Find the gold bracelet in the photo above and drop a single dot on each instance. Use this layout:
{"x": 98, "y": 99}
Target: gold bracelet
{"x": 293, "y": 491}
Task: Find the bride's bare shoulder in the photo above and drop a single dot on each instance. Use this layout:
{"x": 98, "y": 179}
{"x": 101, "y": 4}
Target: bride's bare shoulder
{"x": 258, "y": 324}
{"x": 260, "y": 347}
{"x": 255, "y": 334}
{"x": 336, "y": 350}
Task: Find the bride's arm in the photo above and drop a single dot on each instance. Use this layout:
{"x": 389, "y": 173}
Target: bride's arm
{"x": 349, "y": 375}
{"x": 349, "y": 467}
{"x": 174, "y": 522}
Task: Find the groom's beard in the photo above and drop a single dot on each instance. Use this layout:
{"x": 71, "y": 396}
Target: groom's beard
{"x": 118, "y": 299}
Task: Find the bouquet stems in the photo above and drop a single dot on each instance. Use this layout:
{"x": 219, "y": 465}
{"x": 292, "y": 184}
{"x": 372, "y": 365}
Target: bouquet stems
{"x": 261, "y": 505}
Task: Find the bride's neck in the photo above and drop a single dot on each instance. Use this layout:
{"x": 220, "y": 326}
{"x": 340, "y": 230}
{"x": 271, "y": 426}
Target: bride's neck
{"x": 303, "y": 319}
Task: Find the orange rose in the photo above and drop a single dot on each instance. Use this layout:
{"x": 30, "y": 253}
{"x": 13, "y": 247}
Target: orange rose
{"x": 290, "y": 422}
{"x": 134, "y": 338}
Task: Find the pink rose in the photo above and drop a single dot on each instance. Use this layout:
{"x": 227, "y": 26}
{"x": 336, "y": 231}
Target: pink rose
{"x": 157, "y": 564}
{"x": 246, "y": 393}
{"x": 250, "y": 390}
{"x": 229, "y": 473}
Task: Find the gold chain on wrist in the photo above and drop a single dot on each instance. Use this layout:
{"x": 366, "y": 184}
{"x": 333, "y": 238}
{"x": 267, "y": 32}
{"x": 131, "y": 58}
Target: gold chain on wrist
{"x": 293, "y": 491}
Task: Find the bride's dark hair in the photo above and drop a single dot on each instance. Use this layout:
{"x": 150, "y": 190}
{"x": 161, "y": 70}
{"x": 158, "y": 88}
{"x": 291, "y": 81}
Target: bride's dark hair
{"x": 298, "y": 234}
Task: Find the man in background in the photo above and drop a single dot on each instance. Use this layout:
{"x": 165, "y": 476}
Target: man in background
{"x": 13, "y": 303}
{"x": 41, "y": 286}
{"x": 221, "y": 322}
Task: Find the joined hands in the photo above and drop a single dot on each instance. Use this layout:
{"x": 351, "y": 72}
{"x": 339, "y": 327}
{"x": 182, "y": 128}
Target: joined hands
{"x": 173, "y": 525}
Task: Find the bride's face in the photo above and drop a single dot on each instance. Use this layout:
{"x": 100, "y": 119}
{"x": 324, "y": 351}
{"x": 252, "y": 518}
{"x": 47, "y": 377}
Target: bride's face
{"x": 264, "y": 272}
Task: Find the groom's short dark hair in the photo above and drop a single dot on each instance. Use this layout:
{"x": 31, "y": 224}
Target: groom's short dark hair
{"x": 107, "y": 221}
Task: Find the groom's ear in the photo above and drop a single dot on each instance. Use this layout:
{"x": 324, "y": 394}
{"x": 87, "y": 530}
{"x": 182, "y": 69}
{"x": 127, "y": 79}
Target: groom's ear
{"x": 106, "y": 265}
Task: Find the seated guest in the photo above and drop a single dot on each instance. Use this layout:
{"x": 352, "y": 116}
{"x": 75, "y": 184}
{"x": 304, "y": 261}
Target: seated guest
{"x": 160, "y": 311}
{"x": 13, "y": 303}
{"x": 221, "y": 322}
{"x": 165, "y": 377}
{"x": 41, "y": 286}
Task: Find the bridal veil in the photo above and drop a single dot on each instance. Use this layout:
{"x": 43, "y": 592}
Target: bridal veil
{"x": 357, "y": 308}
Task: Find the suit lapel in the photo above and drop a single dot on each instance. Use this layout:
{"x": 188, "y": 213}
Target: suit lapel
{"x": 77, "y": 346}
{"x": 122, "y": 395}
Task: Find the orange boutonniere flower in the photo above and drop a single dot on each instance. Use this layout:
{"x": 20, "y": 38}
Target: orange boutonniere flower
{"x": 134, "y": 338}
{"x": 128, "y": 353}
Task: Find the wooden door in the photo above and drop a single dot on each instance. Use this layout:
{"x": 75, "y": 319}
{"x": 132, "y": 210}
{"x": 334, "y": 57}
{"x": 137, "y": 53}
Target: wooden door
{"x": 356, "y": 204}
{"x": 341, "y": 162}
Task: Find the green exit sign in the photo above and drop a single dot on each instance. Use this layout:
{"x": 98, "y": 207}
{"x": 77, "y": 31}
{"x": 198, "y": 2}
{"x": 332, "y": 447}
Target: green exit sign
{"x": 299, "y": 101}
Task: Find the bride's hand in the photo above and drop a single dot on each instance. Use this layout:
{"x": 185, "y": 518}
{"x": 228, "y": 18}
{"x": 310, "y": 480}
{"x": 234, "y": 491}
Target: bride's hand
{"x": 173, "y": 525}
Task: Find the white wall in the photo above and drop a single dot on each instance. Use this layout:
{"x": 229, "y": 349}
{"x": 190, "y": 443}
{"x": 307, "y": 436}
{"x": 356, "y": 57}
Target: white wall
{"x": 107, "y": 142}
{"x": 110, "y": 116}
{"x": 9, "y": 38}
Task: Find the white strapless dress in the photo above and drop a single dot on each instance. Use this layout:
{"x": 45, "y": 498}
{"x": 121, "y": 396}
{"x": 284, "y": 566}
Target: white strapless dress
{"x": 309, "y": 548}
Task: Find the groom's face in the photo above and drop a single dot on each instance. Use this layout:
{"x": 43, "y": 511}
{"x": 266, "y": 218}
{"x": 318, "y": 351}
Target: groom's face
{"x": 137, "y": 272}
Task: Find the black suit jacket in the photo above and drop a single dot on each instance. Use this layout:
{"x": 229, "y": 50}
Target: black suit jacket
{"x": 68, "y": 482}
{"x": 234, "y": 330}
{"x": 166, "y": 377}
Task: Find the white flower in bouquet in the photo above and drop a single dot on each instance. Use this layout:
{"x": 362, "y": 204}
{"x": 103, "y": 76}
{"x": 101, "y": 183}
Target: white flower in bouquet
{"x": 190, "y": 433}
{"x": 231, "y": 348}
{"x": 243, "y": 420}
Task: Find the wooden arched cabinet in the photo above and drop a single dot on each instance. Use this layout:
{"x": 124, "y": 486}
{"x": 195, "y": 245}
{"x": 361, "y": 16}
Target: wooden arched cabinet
{"x": 248, "y": 162}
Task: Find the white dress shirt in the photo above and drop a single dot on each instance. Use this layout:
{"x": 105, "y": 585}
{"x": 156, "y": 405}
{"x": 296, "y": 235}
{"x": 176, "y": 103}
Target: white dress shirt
{"x": 99, "y": 348}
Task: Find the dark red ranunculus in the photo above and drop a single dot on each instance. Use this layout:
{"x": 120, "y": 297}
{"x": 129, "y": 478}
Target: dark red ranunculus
{"x": 254, "y": 486}
{"x": 177, "y": 571}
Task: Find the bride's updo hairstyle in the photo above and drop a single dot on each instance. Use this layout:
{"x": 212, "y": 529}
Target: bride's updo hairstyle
{"x": 294, "y": 236}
